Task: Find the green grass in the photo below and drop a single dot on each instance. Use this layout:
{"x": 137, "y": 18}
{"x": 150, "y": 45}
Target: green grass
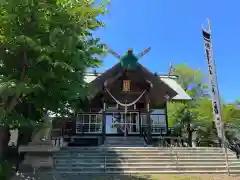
{"x": 164, "y": 177}
{"x": 191, "y": 177}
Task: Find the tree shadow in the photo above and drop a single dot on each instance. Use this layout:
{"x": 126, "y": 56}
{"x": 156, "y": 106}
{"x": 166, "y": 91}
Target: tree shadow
{"x": 108, "y": 167}
{"x": 116, "y": 177}
{"x": 47, "y": 176}
{"x": 113, "y": 169}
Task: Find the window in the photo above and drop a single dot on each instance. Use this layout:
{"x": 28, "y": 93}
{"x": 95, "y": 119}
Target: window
{"x": 89, "y": 123}
{"x": 158, "y": 117}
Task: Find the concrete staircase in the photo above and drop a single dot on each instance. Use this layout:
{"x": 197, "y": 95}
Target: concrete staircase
{"x": 119, "y": 160}
{"x": 124, "y": 141}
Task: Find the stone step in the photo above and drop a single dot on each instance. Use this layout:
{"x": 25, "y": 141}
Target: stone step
{"x": 69, "y": 161}
{"x": 141, "y": 154}
{"x": 203, "y": 154}
{"x": 147, "y": 168}
{"x": 138, "y": 151}
{"x": 124, "y": 145}
{"x": 123, "y": 141}
{"x": 120, "y": 144}
{"x": 120, "y": 159}
{"x": 180, "y": 148}
{"x": 145, "y": 164}
{"x": 145, "y": 148}
{"x": 64, "y": 153}
{"x": 144, "y": 157}
{"x": 111, "y": 153}
{"x": 69, "y": 174}
{"x": 125, "y": 138}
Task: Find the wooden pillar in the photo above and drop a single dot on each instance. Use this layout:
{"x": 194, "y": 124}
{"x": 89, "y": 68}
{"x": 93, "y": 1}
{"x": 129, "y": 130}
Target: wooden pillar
{"x": 90, "y": 105}
{"x": 103, "y": 122}
{"x": 166, "y": 116}
{"x": 149, "y": 122}
{"x": 140, "y": 122}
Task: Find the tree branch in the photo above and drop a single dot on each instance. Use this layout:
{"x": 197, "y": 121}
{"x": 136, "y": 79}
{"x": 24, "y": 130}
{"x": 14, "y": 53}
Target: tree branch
{"x": 14, "y": 100}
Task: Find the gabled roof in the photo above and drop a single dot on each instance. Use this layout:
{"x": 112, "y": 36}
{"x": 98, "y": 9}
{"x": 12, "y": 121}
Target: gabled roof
{"x": 157, "y": 92}
{"x": 168, "y": 80}
{"x": 171, "y": 81}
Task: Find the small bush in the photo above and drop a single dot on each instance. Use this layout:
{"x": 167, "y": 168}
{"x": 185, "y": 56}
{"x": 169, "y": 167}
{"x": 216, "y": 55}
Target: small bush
{"x": 5, "y": 170}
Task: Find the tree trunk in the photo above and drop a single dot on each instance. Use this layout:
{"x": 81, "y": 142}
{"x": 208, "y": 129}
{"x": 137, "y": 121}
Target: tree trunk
{"x": 189, "y": 131}
{"x": 190, "y": 138}
{"x": 4, "y": 138}
{"x": 194, "y": 139}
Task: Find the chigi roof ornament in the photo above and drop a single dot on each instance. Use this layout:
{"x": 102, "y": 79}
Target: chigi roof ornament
{"x": 129, "y": 61}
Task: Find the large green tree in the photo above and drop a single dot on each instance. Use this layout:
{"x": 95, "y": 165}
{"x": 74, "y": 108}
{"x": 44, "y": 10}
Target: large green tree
{"x": 45, "y": 48}
{"x": 182, "y": 115}
{"x": 197, "y": 115}
{"x": 230, "y": 116}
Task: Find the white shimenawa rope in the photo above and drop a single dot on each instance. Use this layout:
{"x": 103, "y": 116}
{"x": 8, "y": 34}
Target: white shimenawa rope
{"x": 126, "y": 105}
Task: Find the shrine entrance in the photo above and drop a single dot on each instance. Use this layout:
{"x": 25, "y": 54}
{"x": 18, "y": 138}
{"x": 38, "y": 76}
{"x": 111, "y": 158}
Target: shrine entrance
{"x": 122, "y": 123}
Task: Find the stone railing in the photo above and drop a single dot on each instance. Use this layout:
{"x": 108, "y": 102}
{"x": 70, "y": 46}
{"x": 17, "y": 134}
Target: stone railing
{"x": 38, "y": 153}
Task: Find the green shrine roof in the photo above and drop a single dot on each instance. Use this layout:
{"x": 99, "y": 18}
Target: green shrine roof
{"x": 129, "y": 60}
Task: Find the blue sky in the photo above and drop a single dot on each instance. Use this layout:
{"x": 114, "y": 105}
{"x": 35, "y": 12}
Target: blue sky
{"x": 173, "y": 30}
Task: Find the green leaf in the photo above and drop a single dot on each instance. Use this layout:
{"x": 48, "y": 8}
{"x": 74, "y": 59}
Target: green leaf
{"x": 53, "y": 40}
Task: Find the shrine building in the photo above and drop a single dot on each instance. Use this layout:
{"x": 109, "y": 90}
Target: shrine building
{"x": 125, "y": 100}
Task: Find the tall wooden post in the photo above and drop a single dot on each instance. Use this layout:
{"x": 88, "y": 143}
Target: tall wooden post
{"x": 103, "y": 122}
{"x": 213, "y": 85}
{"x": 140, "y": 121}
{"x": 149, "y": 122}
{"x": 166, "y": 116}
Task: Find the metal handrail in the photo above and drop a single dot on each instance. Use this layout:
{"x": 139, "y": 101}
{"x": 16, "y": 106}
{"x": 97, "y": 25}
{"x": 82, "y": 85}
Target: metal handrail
{"x": 177, "y": 159}
{"x": 105, "y": 163}
{"x": 168, "y": 145}
{"x": 144, "y": 135}
{"x": 225, "y": 148}
{"x": 104, "y": 152}
{"x": 172, "y": 152}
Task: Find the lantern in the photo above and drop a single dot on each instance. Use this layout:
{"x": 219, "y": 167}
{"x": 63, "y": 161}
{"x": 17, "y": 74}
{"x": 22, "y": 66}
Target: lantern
{"x": 126, "y": 85}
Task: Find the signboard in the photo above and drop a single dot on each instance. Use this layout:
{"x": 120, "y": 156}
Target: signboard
{"x": 126, "y": 85}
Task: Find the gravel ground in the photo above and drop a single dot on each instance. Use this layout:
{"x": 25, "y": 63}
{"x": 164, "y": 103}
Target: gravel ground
{"x": 44, "y": 176}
